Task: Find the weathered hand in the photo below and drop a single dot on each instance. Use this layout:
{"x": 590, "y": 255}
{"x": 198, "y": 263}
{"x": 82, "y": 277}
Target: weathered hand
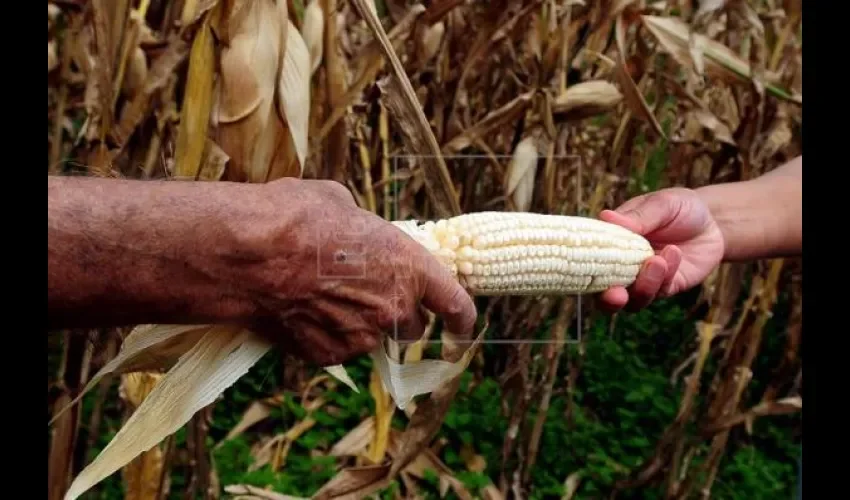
{"x": 682, "y": 230}
{"x": 333, "y": 278}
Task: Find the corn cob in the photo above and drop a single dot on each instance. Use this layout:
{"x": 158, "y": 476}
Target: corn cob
{"x": 523, "y": 253}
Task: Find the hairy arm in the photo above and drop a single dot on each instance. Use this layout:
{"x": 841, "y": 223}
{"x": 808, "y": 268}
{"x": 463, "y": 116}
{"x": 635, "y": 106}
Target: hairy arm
{"x": 124, "y": 252}
{"x": 273, "y": 257}
{"x": 761, "y": 217}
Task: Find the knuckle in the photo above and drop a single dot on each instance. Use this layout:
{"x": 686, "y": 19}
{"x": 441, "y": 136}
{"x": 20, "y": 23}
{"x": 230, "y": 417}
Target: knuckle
{"x": 336, "y": 189}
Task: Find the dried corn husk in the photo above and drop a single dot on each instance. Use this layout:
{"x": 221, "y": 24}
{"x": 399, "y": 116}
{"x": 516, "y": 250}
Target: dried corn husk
{"x": 521, "y": 175}
{"x": 432, "y": 36}
{"x": 246, "y": 92}
{"x": 589, "y": 98}
{"x": 136, "y": 73}
{"x": 52, "y": 57}
{"x": 143, "y": 475}
{"x": 293, "y": 92}
{"x": 313, "y": 31}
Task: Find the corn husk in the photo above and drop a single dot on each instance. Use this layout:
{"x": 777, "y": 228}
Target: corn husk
{"x": 592, "y": 97}
{"x": 52, "y": 57}
{"x": 246, "y": 91}
{"x": 521, "y": 175}
{"x": 293, "y": 92}
{"x": 313, "y": 31}
{"x": 143, "y": 475}
{"x": 215, "y": 362}
{"x": 147, "y": 347}
{"x": 197, "y": 103}
{"x": 135, "y": 74}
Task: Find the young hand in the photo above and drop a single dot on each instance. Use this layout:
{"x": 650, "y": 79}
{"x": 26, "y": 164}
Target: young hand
{"x": 688, "y": 242}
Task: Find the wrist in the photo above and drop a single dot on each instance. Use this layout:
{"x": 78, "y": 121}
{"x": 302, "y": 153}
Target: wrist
{"x": 758, "y": 218}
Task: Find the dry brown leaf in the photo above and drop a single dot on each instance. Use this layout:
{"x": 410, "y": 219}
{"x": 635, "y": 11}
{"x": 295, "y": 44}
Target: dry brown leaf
{"x": 216, "y": 361}
{"x": 707, "y": 122}
{"x": 521, "y": 175}
{"x": 246, "y": 491}
{"x": 426, "y": 461}
{"x": 256, "y": 412}
{"x": 676, "y": 38}
{"x": 354, "y": 483}
{"x": 197, "y": 103}
{"x": 494, "y": 119}
{"x": 634, "y": 98}
{"x": 147, "y": 347}
{"x": 407, "y": 108}
{"x": 357, "y": 440}
{"x": 708, "y": 6}
{"x": 246, "y": 92}
{"x": 161, "y": 71}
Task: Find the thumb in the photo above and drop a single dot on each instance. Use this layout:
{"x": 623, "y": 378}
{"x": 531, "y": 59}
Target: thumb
{"x": 646, "y": 214}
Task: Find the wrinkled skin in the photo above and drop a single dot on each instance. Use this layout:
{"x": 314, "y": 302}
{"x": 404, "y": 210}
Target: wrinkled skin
{"x": 687, "y": 239}
{"x": 345, "y": 277}
{"x": 295, "y": 260}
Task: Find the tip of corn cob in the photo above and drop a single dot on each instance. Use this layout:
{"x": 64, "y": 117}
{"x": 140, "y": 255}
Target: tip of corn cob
{"x": 524, "y": 253}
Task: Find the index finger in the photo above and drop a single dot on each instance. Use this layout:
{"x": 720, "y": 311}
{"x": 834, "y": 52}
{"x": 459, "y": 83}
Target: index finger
{"x": 444, "y": 296}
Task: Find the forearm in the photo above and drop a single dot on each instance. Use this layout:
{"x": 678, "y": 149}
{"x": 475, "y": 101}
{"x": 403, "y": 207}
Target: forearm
{"x": 762, "y": 217}
{"x": 125, "y": 252}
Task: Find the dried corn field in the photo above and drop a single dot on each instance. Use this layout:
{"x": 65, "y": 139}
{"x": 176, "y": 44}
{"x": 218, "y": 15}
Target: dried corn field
{"x": 426, "y": 110}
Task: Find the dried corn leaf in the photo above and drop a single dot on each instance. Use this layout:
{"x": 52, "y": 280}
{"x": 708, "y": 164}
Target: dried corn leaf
{"x": 147, "y": 347}
{"x": 293, "y": 92}
{"x": 409, "y": 114}
{"x": 707, "y": 122}
{"x": 494, "y": 119}
{"x": 406, "y": 381}
{"x": 222, "y": 356}
{"x": 246, "y": 491}
{"x": 249, "y": 72}
{"x": 521, "y": 175}
{"x": 355, "y": 483}
{"x": 143, "y": 475}
{"x": 676, "y": 38}
{"x": 634, "y": 97}
{"x": 357, "y": 440}
{"x": 257, "y": 412}
{"x": 339, "y": 373}
{"x": 197, "y": 103}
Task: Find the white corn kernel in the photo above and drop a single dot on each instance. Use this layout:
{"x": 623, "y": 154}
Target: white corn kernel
{"x": 521, "y": 253}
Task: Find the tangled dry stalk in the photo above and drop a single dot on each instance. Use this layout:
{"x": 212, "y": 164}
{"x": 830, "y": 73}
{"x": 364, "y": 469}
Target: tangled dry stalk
{"x": 255, "y": 90}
